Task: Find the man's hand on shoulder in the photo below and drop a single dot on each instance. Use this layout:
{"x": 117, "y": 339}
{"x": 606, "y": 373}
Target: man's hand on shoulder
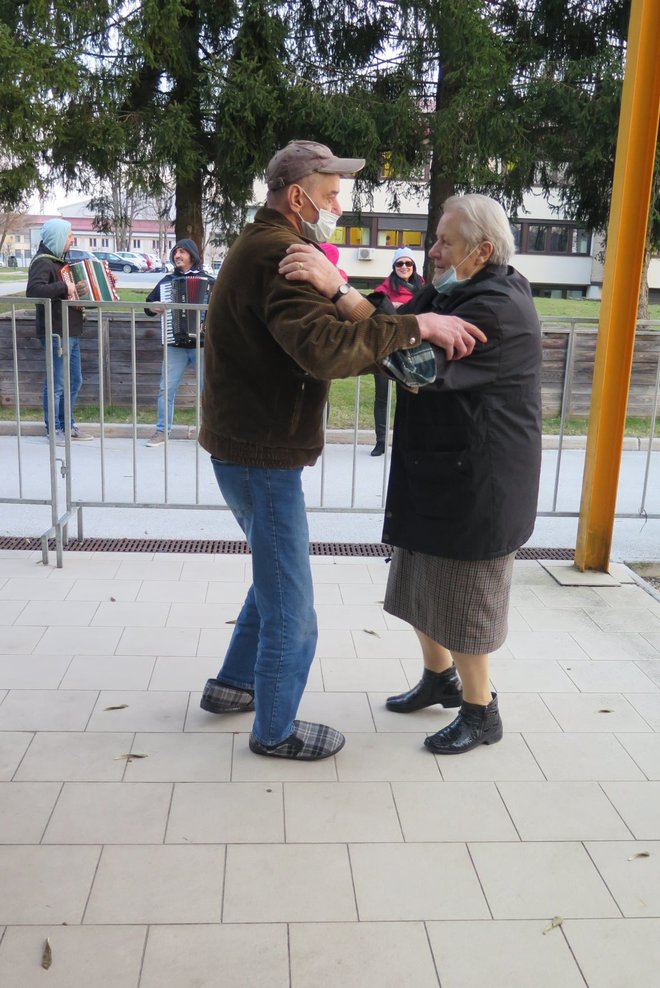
{"x": 453, "y": 335}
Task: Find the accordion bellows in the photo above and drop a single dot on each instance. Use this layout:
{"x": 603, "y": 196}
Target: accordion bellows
{"x": 182, "y": 324}
{"x": 97, "y": 278}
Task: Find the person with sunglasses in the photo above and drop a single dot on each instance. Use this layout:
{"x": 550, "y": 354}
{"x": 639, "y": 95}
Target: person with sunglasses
{"x": 399, "y": 287}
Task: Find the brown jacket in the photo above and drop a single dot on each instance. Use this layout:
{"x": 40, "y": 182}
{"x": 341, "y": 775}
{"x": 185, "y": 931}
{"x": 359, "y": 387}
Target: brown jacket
{"x": 272, "y": 347}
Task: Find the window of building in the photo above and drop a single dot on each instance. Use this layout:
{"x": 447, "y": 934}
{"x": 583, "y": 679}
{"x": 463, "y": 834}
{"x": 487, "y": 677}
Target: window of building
{"x": 580, "y": 241}
{"x": 92, "y": 242}
{"x": 388, "y": 238}
{"x": 516, "y": 230}
{"x": 558, "y": 239}
{"x": 137, "y": 244}
{"x": 154, "y": 245}
{"x": 411, "y": 238}
{"x": 536, "y": 233}
{"x": 105, "y": 242}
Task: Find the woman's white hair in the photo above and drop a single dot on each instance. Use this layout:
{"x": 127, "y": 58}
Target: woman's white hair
{"x": 482, "y": 218}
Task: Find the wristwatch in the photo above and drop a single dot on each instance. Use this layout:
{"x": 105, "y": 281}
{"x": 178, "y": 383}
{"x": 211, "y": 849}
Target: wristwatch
{"x": 343, "y": 289}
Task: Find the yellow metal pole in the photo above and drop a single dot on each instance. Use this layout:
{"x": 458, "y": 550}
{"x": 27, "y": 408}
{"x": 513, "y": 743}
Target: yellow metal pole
{"x": 633, "y": 175}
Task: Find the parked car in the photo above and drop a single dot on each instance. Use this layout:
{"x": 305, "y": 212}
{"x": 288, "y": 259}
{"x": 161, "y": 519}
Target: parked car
{"x": 134, "y": 257}
{"x": 76, "y": 254}
{"x": 117, "y": 263}
{"x": 154, "y": 262}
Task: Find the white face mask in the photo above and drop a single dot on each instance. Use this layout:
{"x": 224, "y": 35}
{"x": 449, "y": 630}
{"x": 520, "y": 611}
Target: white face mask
{"x": 448, "y": 280}
{"x": 320, "y": 231}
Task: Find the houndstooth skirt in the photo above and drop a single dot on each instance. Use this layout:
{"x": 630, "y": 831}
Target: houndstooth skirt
{"x": 462, "y": 604}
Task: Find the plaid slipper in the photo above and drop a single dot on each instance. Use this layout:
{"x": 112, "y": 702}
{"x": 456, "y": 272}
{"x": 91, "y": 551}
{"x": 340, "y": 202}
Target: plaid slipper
{"x": 219, "y": 698}
{"x": 308, "y": 743}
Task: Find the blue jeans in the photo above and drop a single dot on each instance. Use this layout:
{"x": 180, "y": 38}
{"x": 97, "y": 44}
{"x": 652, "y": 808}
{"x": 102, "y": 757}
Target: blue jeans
{"x": 274, "y": 639}
{"x": 75, "y": 375}
{"x": 178, "y": 359}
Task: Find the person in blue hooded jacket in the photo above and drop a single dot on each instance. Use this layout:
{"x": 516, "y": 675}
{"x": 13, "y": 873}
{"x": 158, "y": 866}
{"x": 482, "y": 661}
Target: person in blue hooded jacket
{"x": 187, "y": 262}
{"x": 45, "y": 281}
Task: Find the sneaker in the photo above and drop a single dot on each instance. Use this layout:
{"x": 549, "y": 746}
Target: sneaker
{"x": 80, "y": 437}
{"x": 309, "y": 742}
{"x": 59, "y": 437}
{"x": 157, "y": 439}
{"x": 220, "y": 698}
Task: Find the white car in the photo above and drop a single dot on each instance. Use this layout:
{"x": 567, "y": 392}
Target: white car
{"x": 136, "y": 259}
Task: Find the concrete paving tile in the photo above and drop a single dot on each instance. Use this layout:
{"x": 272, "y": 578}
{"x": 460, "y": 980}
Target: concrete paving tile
{"x": 161, "y": 568}
{"x": 229, "y": 569}
{"x": 340, "y": 811}
{"x": 418, "y": 722}
{"x": 104, "y": 590}
{"x": 502, "y": 952}
{"x": 509, "y": 760}
{"x": 45, "y": 884}
{"x": 639, "y": 619}
{"x": 608, "y": 677}
{"x": 200, "y": 615}
{"x": 225, "y": 592}
{"x": 77, "y": 952}
{"x": 202, "y": 721}
{"x": 176, "y": 672}
{"x": 157, "y": 884}
{"x": 108, "y": 672}
{"x": 10, "y": 611}
{"x": 74, "y": 756}
{"x": 595, "y": 712}
{"x": 335, "y": 644}
{"x": 288, "y": 883}
{"x": 639, "y": 805}
{"x": 537, "y": 645}
{"x": 648, "y": 706}
{"x": 13, "y": 745}
{"x": 58, "y": 613}
{"x": 386, "y": 644}
{"x": 650, "y": 668}
{"x": 46, "y": 710}
{"x": 24, "y": 810}
{"x": 588, "y": 757}
{"x": 633, "y": 881}
{"x": 247, "y": 767}
{"x": 213, "y": 642}
{"x": 181, "y": 758}
{"x": 395, "y": 882}
{"x": 529, "y": 676}
{"x": 20, "y": 640}
{"x": 531, "y": 572}
{"x": 131, "y": 614}
{"x": 523, "y": 712}
{"x": 157, "y": 641}
{"x": 628, "y": 595}
{"x": 79, "y": 641}
{"x": 362, "y": 675}
{"x": 227, "y": 813}
{"x": 645, "y": 750}
{"x": 616, "y": 953}
{"x": 360, "y": 593}
{"x": 24, "y": 672}
{"x": 144, "y": 711}
{"x": 360, "y": 955}
{"x": 541, "y": 880}
{"x": 172, "y": 591}
{"x": 567, "y": 575}
{"x": 557, "y": 619}
{"x": 385, "y": 758}
{"x": 452, "y": 811}
{"x": 606, "y": 645}
{"x": 553, "y": 811}
{"x": 110, "y": 813}
{"x": 355, "y": 616}
{"x": 331, "y": 572}
{"x": 17, "y": 564}
{"x": 558, "y": 596}
{"x": 347, "y": 712}
{"x": 30, "y": 588}
{"x": 183, "y": 956}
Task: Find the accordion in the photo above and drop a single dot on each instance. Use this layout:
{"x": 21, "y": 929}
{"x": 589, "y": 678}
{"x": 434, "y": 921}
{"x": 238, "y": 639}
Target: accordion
{"x": 96, "y": 277}
{"x": 180, "y": 327}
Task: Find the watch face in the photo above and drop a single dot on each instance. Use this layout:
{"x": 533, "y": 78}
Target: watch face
{"x": 344, "y": 289}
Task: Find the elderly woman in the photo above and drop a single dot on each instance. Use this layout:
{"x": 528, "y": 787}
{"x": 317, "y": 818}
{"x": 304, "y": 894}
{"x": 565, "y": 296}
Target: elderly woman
{"x": 465, "y": 470}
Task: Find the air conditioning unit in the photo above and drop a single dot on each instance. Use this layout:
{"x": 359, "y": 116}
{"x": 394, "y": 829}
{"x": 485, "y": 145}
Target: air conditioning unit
{"x": 366, "y": 253}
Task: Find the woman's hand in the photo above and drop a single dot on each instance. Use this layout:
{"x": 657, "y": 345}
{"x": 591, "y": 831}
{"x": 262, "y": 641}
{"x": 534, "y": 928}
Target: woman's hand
{"x": 302, "y": 262}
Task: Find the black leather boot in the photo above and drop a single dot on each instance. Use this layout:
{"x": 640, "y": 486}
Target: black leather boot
{"x": 474, "y": 725}
{"x": 434, "y": 687}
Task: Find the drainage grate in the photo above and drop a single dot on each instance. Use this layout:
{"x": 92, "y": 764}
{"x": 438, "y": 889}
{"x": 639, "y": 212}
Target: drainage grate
{"x": 207, "y": 546}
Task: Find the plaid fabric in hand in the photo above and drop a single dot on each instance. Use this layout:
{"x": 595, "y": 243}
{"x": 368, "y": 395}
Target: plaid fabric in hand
{"x": 308, "y": 742}
{"x": 413, "y": 368}
{"x": 219, "y": 698}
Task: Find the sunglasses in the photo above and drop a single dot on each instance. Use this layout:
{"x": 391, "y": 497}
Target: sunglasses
{"x": 403, "y": 264}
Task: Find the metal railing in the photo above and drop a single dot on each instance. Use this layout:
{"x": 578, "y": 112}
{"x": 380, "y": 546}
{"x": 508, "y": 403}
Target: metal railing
{"x": 94, "y": 481}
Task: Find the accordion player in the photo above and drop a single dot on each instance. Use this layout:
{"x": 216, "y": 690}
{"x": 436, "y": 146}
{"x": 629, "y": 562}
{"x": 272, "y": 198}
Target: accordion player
{"x": 180, "y": 325}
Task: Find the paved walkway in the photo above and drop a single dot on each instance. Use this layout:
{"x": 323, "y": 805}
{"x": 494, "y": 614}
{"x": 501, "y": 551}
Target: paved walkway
{"x": 200, "y": 865}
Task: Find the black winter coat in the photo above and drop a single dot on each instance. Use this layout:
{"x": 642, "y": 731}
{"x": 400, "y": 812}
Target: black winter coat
{"x": 466, "y": 455}
{"x": 45, "y": 281}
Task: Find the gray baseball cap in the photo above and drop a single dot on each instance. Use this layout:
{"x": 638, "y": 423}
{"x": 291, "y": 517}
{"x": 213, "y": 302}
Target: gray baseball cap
{"x": 300, "y": 158}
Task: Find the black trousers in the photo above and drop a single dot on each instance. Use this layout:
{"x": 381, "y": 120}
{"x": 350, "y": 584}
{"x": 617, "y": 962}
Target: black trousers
{"x": 380, "y": 407}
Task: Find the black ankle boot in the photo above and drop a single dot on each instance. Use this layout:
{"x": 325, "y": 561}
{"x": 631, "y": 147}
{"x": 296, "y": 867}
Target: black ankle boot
{"x": 474, "y": 725}
{"x": 434, "y": 687}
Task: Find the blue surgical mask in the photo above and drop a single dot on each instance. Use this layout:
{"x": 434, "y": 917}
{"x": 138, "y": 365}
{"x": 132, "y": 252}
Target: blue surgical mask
{"x": 324, "y": 227}
{"x": 449, "y": 280}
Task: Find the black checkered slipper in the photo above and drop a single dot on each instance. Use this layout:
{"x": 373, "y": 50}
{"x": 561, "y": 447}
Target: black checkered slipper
{"x": 309, "y": 742}
{"x": 219, "y": 698}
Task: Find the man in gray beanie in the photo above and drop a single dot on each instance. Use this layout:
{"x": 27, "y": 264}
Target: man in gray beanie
{"x": 45, "y": 281}
{"x": 187, "y": 263}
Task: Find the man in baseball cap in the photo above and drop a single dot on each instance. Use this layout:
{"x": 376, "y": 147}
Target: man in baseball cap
{"x": 272, "y": 347}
